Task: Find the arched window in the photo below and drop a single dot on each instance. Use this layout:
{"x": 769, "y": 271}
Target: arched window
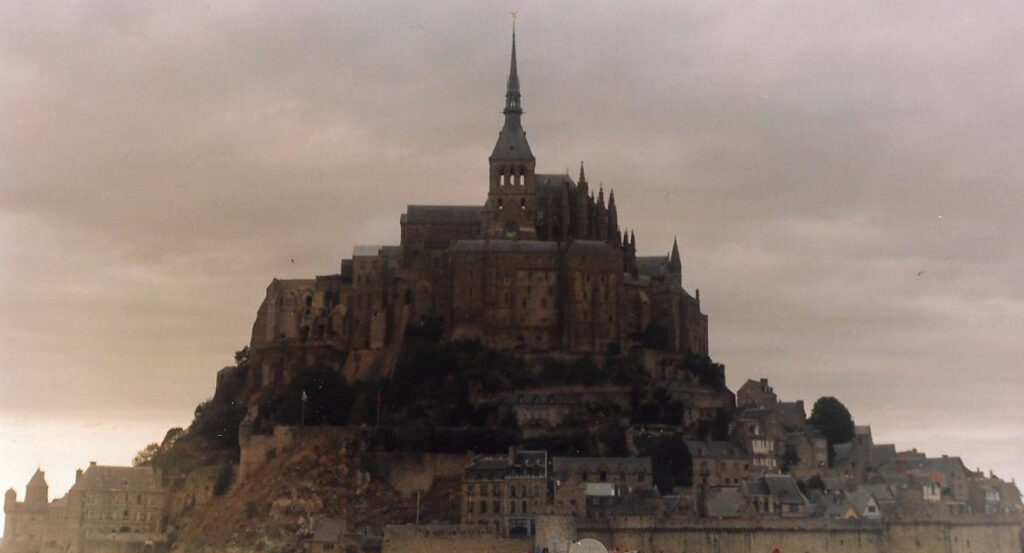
{"x": 522, "y": 204}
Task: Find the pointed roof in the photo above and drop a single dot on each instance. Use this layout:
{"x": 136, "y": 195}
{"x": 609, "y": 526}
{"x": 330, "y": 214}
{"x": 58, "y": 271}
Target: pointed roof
{"x": 583, "y": 177}
{"x": 512, "y": 144}
{"x": 676, "y": 263}
{"x": 38, "y": 479}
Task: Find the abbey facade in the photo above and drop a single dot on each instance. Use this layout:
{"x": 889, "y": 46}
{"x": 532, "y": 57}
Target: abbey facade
{"x": 542, "y": 265}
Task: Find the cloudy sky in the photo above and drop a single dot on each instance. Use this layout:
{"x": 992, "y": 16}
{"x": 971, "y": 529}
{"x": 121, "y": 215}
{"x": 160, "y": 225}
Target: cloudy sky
{"x": 845, "y": 180}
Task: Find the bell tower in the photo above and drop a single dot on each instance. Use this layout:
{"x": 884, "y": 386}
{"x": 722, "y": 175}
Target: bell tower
{"x": 511, "y": 198}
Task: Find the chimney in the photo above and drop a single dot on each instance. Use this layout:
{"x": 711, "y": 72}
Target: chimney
{"x": 92, "y": 464}
{"x": 78, "y": 475}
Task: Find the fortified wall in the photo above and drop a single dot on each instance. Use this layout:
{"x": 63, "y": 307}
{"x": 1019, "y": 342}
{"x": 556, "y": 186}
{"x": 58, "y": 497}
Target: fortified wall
{"x": 964, "y": 534}
{"x": 448, "y": 539}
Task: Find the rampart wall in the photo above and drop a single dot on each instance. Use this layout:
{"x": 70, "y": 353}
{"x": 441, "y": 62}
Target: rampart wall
{"x": 647, "y": 534}
{"x": 449, "y": 539}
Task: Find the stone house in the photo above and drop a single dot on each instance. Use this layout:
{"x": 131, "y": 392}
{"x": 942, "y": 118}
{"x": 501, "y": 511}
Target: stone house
{"x": 504, "y": 492}
{"x": 777, "y": 495}
{"x": 588, "y": 485}
{"x": 718, "y": 463}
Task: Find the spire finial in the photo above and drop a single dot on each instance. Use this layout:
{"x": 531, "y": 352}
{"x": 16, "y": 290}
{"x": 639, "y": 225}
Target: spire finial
{"x": 512, "y": 96}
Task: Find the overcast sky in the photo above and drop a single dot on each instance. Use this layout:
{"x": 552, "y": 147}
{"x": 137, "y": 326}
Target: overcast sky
{"x": 845, "y": 179}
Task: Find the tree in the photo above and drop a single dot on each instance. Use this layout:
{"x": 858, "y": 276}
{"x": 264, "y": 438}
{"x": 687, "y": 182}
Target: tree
{"x": 145, "y": 457}
{"x": 832, "y": 418}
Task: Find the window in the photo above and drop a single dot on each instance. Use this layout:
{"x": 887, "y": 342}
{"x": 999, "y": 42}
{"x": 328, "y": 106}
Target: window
{"x": 512, "y": 507}
{"x": 483, "y": 507}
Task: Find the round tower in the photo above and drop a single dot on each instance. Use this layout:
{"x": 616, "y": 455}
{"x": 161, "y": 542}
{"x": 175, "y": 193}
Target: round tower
{"x": 10, "y": 500}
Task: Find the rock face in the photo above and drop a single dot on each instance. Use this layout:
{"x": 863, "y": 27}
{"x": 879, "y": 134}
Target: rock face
{"x": 322, "y": 472}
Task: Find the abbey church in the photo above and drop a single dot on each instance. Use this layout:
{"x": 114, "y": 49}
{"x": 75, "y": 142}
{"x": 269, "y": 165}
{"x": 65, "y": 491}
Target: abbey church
{"x": 542, "y": 265}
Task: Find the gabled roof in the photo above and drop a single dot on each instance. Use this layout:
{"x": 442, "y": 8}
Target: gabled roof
{"x": 725, "y": 501}
{"x": 780, "y": 487}
{"x": 860, "y": 500}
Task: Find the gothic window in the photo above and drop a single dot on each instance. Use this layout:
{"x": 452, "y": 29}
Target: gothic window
{"x": 512, "y": 507}
{"x": 522, "y": 204}
{"x": 501, "y": 203}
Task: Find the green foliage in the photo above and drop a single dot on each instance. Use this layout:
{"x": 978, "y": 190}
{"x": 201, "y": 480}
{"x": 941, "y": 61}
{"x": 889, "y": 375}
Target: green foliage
{"x": 613, "y": 436}
{"x": 659, "y": 409}
{"x": 832, "y": 418}
{"x": 579, "y": 372}
{"x": 708, "y": 372}
{"x": 145, "y": 456}
{"x": 572, "y": 443}
{"x": 670, "y": 460}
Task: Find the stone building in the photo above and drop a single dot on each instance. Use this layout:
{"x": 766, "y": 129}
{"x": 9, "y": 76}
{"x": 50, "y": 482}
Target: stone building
{"x": 541, "y": 265}
{"x": 718, "y": 463}
{"x": 504, "y": 492}
{"x": 589, "y": 485}
{"x": 25, "y": 521}
{"x": 111, "y": 509}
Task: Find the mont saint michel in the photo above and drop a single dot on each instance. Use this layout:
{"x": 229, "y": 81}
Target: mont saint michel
{"x": 532, "y": 363}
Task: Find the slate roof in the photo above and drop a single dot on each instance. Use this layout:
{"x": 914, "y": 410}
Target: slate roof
{"x": 553, "y": 182}
{"x": 725, "y": 501}
{"x": 860, "y": 499}
{"x": 511, "y": 144}
{"x": 652, "y": 265}
{"x": 883, "y": 453}
{"x": 829, "y": 505}
{"x": 715, "y": 450}
{"x": 791, "y": 411}
{"x": 781, "y": 487}
{"x": 443, "y": 213}
{"x": 98, "y": 477}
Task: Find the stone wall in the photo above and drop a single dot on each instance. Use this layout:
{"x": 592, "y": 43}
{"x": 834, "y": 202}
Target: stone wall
{"x": 646, "y": 534}
{"x": 448, "y": 539}
{"x": 259, "y": 448}
{"x": 417, "y": 472}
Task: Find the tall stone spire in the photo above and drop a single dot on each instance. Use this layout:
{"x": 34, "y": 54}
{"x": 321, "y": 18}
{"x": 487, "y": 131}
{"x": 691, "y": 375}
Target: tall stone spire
{"x": 512, "y": 145}
{"x": 512, "y": 96}
{"x": 675, "y": 264}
